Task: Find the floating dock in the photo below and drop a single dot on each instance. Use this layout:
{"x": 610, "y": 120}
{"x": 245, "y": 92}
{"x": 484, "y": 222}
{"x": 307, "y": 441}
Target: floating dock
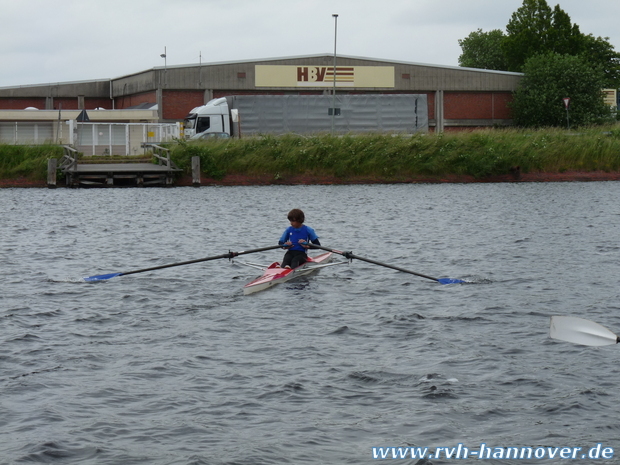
{"x": 142, "y": 174}
{"x": 120, "y": 174}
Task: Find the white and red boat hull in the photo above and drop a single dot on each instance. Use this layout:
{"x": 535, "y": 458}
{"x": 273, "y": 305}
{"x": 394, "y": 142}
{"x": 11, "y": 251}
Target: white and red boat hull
{"x": 274, "y": 274}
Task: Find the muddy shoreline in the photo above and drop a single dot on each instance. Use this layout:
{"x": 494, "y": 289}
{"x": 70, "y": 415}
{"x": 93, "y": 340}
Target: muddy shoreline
{"x": 266, "y": 180}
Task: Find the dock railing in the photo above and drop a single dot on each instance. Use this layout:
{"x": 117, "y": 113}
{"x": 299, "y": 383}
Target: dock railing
{"x": 69, "y": 159}
{"x": 162, "y": 154}
{"x": 66, "y": 163}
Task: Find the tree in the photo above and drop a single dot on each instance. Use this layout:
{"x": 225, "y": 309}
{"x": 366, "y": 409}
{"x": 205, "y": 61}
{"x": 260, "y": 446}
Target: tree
{"x": 599, "y": 52}
{"x": 557, "y": 61}
{"x": 483, "y": 50}
{"x": 548, "y": 79}
{"x": 564, "y": 37}
{"x": 535, "y": 28}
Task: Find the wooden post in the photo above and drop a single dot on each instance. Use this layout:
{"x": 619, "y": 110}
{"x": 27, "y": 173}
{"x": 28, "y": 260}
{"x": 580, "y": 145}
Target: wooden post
{"x": 52, "y": 164}
{"x": 196, "y": 171}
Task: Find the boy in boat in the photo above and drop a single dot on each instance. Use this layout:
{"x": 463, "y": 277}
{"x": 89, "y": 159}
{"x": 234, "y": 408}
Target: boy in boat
{"x": 295, "y": 238}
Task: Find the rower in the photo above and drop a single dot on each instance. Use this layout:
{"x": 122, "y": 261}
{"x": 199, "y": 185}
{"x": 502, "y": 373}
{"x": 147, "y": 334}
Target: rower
{"x": 295, "y": 239}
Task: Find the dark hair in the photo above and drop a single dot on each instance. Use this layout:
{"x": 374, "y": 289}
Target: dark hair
{"x": 296, "y": 215}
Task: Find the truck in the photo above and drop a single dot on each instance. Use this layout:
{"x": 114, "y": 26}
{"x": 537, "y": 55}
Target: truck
{"x": 249, "y": 115}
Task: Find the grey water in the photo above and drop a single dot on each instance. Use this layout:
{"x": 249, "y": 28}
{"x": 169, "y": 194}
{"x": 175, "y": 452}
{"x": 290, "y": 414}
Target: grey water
{"x": 177, "y": 366}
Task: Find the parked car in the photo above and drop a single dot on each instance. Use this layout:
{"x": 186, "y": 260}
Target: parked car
{"x": 209, "y": 136}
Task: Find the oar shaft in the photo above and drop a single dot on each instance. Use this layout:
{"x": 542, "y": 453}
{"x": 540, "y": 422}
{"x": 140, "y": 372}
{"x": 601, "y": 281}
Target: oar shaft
{"x": 216, "y": 257}
{"x": 189, "y": 262}
{"x": 351, "y": 256}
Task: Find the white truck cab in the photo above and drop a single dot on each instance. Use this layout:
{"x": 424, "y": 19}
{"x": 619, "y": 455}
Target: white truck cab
{"x": 213, "y": 117}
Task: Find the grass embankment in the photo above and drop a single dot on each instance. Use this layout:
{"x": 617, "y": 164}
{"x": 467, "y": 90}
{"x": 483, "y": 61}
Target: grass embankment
{"x": 26, "y": 161}
{"x": 395, "y": 158}
{"x": 478, "y": 154}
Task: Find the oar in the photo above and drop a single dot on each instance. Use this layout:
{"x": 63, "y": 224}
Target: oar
{"x": 581, "y": 331}
{"x": 102, "y": 277}
{"x": 350, "y": 256}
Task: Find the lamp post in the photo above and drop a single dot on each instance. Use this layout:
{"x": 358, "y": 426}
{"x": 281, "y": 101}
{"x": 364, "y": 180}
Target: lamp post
{"x": 163, "y": 55}
{"x": 335, "y": 16}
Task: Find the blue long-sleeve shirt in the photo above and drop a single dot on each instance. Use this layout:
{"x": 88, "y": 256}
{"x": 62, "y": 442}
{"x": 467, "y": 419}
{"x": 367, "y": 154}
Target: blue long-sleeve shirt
{"x": 294, "y": 234}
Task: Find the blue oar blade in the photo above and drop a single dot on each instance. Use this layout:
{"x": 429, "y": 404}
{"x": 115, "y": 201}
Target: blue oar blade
{"x": 450, "y": 281}
{"x": 101, "y": 277}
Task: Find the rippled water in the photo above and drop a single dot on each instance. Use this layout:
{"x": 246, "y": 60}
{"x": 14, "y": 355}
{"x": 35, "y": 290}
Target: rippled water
{"x": 177, "y": 366}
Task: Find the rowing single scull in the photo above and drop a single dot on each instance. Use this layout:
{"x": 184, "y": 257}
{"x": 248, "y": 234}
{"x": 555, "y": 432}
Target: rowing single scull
{"x": 274, "y": 274}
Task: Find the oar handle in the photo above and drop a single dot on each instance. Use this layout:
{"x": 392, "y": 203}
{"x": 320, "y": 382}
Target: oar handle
{"x": 350, "y": 256}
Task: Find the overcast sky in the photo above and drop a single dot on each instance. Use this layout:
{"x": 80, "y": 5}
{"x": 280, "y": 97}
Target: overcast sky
{"x": 44, "y": 41}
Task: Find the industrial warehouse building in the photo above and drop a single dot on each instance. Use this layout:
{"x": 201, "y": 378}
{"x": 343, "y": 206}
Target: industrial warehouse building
{"x": 457, "y": 98}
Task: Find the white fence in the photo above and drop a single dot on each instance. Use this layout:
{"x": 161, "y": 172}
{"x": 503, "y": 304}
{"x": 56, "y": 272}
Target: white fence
{"x": 90, "y": 138}
{"x": 27, "y": 133}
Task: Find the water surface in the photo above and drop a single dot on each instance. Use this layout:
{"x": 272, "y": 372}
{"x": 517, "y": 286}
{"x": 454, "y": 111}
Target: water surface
{"x": 177, "y": 366}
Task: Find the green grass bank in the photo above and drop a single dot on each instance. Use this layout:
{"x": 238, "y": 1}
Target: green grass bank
{"x": 386, "y": 158}
{"x": 26, "y": 161}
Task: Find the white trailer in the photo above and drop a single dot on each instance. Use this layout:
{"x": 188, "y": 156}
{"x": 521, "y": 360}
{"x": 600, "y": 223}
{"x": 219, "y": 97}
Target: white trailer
{"x": 238, "y": 115}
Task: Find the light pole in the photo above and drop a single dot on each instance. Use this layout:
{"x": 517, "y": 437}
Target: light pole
{"x": 335, "y": 16}
{"x": 163, "y": 55}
